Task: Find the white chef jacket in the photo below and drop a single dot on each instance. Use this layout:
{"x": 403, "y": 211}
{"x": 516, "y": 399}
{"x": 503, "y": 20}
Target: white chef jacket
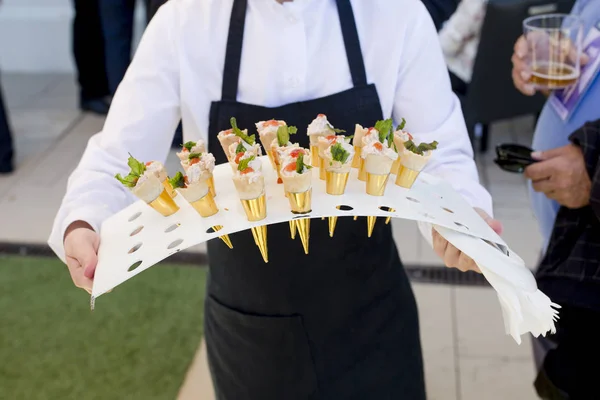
{"x": 292, "y": 52}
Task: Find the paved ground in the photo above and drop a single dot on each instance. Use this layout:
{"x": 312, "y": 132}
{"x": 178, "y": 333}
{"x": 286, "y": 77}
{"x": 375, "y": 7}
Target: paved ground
{"x": 467, "y": 355}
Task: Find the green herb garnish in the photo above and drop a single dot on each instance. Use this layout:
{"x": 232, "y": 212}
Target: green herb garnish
{"x": 240, "y": 148}
{"x": 238, "y": 132}
{"x": 300, "y": 164}
{"x": 137, "y": 169}
{"x": 421, "y": 148}
{"x": 194, "y": 155}
{"x": 188, "y": 145}
{"x": 402, "y": 125}
{"x": 335, "y": 130}
{"x": 384, "y": 128}
{"x": 338, "y": 153}
{"x": 283, "y": 134}
{"x": 178, "y": 181}
{"x": 244, "y": 163}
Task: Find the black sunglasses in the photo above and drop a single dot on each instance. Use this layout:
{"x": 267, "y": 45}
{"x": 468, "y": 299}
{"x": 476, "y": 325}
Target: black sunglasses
{"x": 514, "y": 157}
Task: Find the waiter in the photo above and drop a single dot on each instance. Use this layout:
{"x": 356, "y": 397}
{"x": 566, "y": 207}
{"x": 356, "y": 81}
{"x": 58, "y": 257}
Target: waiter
{"x": 340, "y": 323}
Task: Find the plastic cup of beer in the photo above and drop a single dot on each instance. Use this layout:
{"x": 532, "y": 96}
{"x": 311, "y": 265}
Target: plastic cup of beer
{"x": 554, "y": 49}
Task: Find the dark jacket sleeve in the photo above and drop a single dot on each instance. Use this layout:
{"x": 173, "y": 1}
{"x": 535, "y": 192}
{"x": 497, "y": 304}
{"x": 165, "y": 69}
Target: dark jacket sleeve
{"x": 588, "y": 138}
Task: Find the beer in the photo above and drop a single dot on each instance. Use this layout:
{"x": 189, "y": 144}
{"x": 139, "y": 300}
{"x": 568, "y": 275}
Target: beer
{"x": 553, "y": 75}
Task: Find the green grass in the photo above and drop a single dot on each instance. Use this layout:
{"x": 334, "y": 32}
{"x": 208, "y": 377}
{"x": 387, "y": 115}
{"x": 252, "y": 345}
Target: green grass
{"x": 137, "y": 344}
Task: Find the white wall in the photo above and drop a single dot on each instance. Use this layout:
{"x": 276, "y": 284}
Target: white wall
{"x": 35, "y": 35}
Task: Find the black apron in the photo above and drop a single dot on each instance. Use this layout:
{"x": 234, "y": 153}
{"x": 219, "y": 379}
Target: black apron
{"x": 339, "y": 323}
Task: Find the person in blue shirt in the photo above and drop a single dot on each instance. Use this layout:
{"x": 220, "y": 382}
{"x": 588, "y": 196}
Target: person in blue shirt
{"x": 560, "y": 179}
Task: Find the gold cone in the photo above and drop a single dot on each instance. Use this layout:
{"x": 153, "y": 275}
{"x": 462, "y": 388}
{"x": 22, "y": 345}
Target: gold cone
{"x": 322, "y": 171}
{"x": 376, "y": 184}
{"x": 387, "y": 220}
{"x": 164, "y": 204}
{"x": 395, "y": 166}
{"x": 355, "y": 217}
{"x": 303, "y": 226}
{"x": 370, "y": 225}
{"x": 357, "y": 157}
{"x": 206, "y": 206}
{"x": 314, "y": 156}
{"x": 300, "y": 203}
{"x": 211, "y": 186}
{"x": 336, "y": 182}
{"x": 362, "y": 172}
{"x": 224, "y": 238}
{"x": 260, "y": 238}
{"x": 256, "y": 209}
{"x": 406, "y": 177}
{"x": 172, "y": 192}
{"x": 293, "y": 229}
{"x": 332, "y": 222}
{"x": 272, "y": 159}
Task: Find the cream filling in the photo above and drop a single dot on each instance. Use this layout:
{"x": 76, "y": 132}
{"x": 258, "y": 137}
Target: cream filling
{"x": 158, "y": 169}
{"x": 337, "y": 166}
{"x": 200, "y": 147}
{"x": 371, "y": 148}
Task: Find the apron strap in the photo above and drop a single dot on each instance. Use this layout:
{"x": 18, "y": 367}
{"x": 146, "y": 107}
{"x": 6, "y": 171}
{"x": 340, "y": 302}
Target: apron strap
{"x": 352, "y": 43}
{"x": 235, "y": 39}
{"x": 233, "y": 53}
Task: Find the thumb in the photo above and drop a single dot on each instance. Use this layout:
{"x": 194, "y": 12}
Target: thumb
{"x": 493, "y": 223}
{"x": 548, "y": 154}
{"x": 85, "y": 251}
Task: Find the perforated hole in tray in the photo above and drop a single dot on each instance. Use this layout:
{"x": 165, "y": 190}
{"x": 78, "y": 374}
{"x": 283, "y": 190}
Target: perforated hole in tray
{"x": 448, "y": 210}
{"x": 412, "y": 199}
{"x": 134, "y": 216}
{"x": 134, "y": 266}
{"x": 172, "y": 228}
{"x": 174, "y": 244}
{"x": 137, "y": 230}
{"x": 344, "y": 208}
{"x": 461, "y": 225}
{"x": 387, "y": 209}
{"x": 135, "y": 248}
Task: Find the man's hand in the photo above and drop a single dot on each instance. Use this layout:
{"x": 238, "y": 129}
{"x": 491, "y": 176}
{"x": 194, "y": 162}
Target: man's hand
{"x": 521, "y": 73}
{"x": 561, "y": 175}
{"x": 81, "y": 249}
{"x": 453, "y": 257}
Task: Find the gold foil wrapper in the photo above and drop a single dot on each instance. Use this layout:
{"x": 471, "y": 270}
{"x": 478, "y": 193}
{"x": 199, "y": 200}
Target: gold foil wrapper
{"x": 362, "y": 172}
{"x": 376, "y": 184}
{"x": 172, "y": 192}
{"x": 300, "y": 203}
{"x": 256, "y": 209}
{"x": 206, "y": 206}
{"x": 395, "y": 166}
{"x": 336, "y": 182}
{"x": 164, "y": 204}
{"x": 224, "y": 238}
{"x": 293, "y": 229}
{"x": 322, "y": 170}
{"x": 211, "y": 186}
{"x": 332, "y": 222}
{"x": 357, "y": 157}
{"x": 370, "y": 225}
{"x": 260, "y": 238}
{"x": 314, "y": 156}
{"x": 406, "y": 177}
{"x": 303, "y": 226}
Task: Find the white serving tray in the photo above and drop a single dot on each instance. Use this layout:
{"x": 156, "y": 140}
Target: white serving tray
{"x": 141, "y": 237}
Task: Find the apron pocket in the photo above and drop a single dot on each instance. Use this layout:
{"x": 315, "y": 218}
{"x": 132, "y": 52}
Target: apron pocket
{"x": 257, "y": 357}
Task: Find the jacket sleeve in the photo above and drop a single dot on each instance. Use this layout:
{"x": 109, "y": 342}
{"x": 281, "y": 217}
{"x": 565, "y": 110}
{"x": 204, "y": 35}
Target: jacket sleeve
{"x": 142, "y": 120}
{"x": 588, "y": 138}
{"x": 464, "y": 25}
